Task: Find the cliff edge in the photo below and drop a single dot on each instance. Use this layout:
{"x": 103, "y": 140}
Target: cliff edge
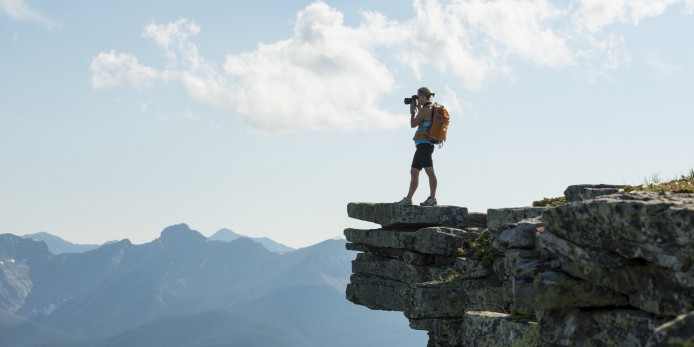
{"x": 607, "y": 269}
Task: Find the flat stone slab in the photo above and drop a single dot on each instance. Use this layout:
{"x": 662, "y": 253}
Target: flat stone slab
{"x": 443, "y": 241}
{"x": 452, "y": 299}
{"x": 497, "y": 217}
{"x": 390, "y": 215}
{"x": 397, "y": 239}
{"x": 394, "y": 269}
{"x": 582, "y": 192}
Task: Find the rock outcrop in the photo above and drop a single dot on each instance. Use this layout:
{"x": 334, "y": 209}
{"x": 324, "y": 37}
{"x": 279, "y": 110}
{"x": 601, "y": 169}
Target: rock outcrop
{"x": 604, "y": 270}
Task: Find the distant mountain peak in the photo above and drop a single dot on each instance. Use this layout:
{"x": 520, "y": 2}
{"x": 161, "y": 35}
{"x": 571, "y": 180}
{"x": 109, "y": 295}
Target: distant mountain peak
{"x": 228, "y": 235}
{"x": 58, "y": 245}
{"x": 225, "y": 234}
{"x": 181, "y": 233}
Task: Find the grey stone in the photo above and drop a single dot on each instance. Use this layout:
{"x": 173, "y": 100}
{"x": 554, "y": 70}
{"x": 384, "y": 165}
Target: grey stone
{"x": 475, "y": 219}
{"x": 383, "y": 238}
{"x": 520, "y": 235}
{"x": 492, "y": 329}
{"x": 444, "y": 331}
{"x": 394, "y": 269}
{"x": 521, "y": 291}
{"x": 650, "y": 288}
{"x": 651, "y": 227}
{"x": 618, "y": 327}
{"x": 472, "y": 268}
{"x": 428, "y": 324}
{"x": 582, "y": 192}
{"x": 522, "y": 263}
{"x": 377, "y": 293}
{"x": 451, "y": 299}
{"x": 678, "y": 332}
{"x": 386, "y": 252}
{"x": 418, "y": 259}
{"x": 390, "y": 215}
{"x": 441, "y": 240}
{"x": 604, "y": 271}
{"x": 501, "y": 216}
{"x": 553, "y": 290}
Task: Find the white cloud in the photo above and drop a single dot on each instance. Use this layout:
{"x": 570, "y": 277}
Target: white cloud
{"x": 323, "y": 76}
{"x": 173, "y": 39}
{"x": 330, "y": 75}
{"x": 594, "y": 15}
{"x": 111, "y": 69}
{"x": 18, "y": 9}
{"x": 475, "y": 40}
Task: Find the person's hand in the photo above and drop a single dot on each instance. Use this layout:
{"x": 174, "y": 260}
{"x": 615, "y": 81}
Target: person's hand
{"x": 413, "y": 108}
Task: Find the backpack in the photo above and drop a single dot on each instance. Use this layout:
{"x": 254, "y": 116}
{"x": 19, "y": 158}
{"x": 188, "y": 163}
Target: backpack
{"x": 439, "y": 124}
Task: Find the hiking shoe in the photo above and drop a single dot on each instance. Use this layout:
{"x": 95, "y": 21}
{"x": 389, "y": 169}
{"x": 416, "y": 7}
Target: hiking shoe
{"x": 405, "y": 202}
{"x": 429, "y": 202}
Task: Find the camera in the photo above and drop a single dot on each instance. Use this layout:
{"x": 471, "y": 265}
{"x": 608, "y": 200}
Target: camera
{"x": 412, "y": 100}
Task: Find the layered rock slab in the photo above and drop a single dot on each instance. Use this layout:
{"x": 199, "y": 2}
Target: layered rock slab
{"x": 390, "y": 215}
{"x": 640, "y": 245}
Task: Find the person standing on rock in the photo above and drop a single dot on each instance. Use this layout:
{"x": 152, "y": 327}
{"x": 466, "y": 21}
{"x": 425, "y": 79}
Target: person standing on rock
{"x": 421, "y": 118}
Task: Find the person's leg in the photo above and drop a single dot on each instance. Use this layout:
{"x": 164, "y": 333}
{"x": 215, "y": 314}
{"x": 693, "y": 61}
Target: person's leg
{"x": 414, "y": 182}
{"x": 432, "y": 181}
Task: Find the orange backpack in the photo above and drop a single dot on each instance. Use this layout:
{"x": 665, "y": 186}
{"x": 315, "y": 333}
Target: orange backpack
{"x": 439, "y": 124}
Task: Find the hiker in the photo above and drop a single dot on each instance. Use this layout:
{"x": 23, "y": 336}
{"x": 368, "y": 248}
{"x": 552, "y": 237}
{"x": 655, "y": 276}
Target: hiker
{"x": 421, "y": 117}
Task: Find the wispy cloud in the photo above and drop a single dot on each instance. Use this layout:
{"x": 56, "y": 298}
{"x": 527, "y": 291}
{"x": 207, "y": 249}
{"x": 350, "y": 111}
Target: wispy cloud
{"x": 328, "y": 74}
{"x": 594, "y": 15}
{"x": 18, "y": 9}
{"x": 111, "y": 69}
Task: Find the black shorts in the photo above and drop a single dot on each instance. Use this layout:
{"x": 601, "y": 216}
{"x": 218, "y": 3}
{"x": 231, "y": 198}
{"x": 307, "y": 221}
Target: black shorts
{"x": 422, "y": 156}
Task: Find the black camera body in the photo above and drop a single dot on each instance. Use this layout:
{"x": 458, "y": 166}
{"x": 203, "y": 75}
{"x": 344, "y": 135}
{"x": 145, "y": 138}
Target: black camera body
{"x": 412, "y": 100}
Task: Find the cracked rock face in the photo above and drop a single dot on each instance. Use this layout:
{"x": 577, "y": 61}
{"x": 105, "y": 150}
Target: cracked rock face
{"x": 604, "y": 270}
{"x": 641, "y": 245}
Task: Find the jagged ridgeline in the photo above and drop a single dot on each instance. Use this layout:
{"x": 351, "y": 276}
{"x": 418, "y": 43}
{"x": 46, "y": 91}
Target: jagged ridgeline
{"x": 602, "y": 268}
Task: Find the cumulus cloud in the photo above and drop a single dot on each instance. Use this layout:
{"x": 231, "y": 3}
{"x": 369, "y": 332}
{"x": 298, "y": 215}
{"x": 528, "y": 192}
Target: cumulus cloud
{"x": 323, "y": 76}
{"x": 18, "y": 9}
{"x": 330, "y": 75}
{"x": 111, "y": 69}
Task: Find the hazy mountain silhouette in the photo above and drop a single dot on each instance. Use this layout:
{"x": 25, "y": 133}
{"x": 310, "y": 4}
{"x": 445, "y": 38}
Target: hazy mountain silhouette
{"x": 57, "y": 245}
{"x": 185, "y": 290}
{"x": 229, "y": 235}
{"x": 18, "y": 331}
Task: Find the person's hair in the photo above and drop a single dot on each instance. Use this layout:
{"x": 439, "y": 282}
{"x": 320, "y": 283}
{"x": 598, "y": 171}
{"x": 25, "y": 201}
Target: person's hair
{"x": 425, "y": 91}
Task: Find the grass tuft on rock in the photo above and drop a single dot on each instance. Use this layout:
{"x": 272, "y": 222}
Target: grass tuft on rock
{"x": 684, "y": 184}
{"x": 480, "y": 249}
{"x": 551, "y": 202}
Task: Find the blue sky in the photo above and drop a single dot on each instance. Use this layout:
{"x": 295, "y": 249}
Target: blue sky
{"x": 268, "y": 117}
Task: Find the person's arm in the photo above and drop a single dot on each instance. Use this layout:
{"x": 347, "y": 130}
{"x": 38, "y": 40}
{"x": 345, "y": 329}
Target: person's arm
{"x": 415, "y": 117}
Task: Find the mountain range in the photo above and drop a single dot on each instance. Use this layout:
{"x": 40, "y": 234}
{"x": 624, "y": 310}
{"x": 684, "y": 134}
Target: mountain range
{"x": 184, "y": 289}
{"x": 57, "y": 245}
